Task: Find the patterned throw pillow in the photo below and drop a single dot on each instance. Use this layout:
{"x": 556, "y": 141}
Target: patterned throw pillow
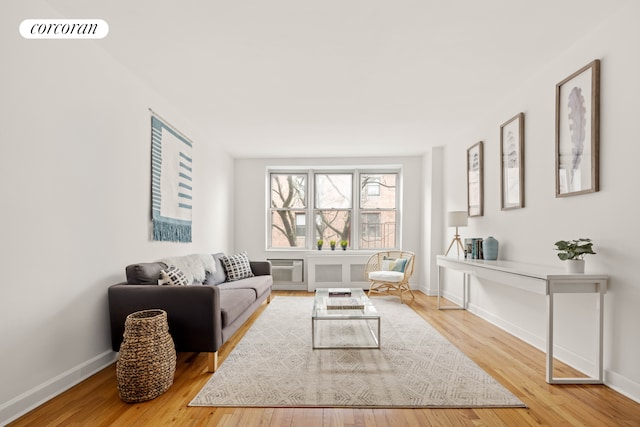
{"x": 237, "y": 266}
{"x": 172, "y": 276}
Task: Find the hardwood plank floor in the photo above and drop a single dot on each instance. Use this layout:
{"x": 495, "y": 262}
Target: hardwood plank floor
{"x": 517, "y": 365}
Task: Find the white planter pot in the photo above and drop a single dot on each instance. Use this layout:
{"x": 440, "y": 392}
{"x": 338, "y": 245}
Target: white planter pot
{"x": 575, "y": 266}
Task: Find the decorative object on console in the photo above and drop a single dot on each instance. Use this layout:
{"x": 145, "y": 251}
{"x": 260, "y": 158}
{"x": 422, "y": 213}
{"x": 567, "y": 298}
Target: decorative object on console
{"x": 512, "y": 161}
{"x": 490, "y": 248}
{"x": 574, "y": 251}
{"x": 171, "y": 182}
{"x": 473, "y": 248}
{"x": 344, "y": 244}
{"x": 456, "y": 219}
{"x": 332, "y": 243}
{"x": 578, "y": 132}
{"x": 147, "y": 360}
{"x": 475, "y": 180}
{"x": 320, "y": 243}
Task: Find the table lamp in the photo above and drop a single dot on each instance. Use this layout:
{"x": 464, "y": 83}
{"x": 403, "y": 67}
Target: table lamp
{"x": 456, "y": 219}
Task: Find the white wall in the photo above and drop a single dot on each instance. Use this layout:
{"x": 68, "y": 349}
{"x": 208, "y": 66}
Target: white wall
{"x": 609, "y": 217}
{"x": 250, "y": 230}
{"x": 75, "y": 186}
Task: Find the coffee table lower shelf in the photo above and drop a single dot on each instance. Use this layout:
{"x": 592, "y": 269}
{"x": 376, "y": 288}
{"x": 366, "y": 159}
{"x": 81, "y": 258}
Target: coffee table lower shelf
{"x": 373, "y": 324}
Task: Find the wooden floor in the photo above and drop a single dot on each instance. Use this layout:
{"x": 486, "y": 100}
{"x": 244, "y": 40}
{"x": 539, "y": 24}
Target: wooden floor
{"x": 518, "y": 366}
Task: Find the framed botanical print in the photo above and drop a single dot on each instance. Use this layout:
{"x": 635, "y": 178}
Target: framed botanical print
{"x": 475, "y": 170}
{"x": 578, "y": 132}
{"x": 512, "y": 163}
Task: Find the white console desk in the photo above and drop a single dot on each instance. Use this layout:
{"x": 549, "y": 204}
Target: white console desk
{"x": 540, "y": 280}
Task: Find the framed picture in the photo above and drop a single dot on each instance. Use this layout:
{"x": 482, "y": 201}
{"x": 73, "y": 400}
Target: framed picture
{"x": 578, "y": 132}
{"x": 512, "y": 163}
{"x": 475, "y": 170}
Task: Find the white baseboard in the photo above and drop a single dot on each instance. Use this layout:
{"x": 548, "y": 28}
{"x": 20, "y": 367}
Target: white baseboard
{"x": 622, "y": 385}
{"x": 35, "y": 397}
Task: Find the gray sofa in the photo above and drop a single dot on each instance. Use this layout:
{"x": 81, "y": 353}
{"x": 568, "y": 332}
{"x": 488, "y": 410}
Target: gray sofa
{"x": 202, "y": 316}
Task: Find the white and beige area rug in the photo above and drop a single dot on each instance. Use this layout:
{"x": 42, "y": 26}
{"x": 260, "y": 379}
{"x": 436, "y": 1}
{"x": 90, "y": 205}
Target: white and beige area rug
{"x": 416, "y": 367}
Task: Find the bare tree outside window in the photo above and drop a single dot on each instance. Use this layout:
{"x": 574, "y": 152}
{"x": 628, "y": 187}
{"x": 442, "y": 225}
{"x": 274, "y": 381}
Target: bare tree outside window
{"x": 288, "y": 210}
{"x": 333, "y": 206}
{"x": 331, "y": 216}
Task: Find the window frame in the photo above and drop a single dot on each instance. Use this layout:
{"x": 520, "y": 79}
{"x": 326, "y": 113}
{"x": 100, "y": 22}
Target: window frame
{"x": 356, "y": 210}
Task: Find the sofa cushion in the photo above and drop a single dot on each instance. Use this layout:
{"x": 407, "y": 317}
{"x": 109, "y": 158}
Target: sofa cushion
{"x": 259, "y": 284}
{"x": 144, "y": 273}
{"x": 173, "y": 276}
{"x": 386, "y": 276}
{"x": 234, "y": 302}
{"x": 237, "y": 266}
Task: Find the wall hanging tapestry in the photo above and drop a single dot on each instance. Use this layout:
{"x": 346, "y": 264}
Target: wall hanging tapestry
{"x": 171, "y": 182}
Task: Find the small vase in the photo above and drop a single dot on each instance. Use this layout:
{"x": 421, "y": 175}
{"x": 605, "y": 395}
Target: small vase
{"x": 333, "y": 247}
{"x": 344, "y": 248}
{"x": 490, "y": 248}
{"x": 319, "y": 247}
{"x": 575, "y": 266}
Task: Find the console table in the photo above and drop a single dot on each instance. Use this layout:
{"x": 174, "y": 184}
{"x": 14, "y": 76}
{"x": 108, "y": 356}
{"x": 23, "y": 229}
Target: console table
{"x": 540, "y": 280}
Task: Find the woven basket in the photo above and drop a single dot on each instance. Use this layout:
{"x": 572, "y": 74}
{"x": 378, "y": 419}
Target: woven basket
{"x": 147, "y": 360}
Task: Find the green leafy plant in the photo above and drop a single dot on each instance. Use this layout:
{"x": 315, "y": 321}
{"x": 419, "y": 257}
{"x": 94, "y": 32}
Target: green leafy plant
{"x": 574, "y": 249}
{"x": 344, "y": 243}
{"x": 332, "y": 242}
{"x": 320, "y": 242}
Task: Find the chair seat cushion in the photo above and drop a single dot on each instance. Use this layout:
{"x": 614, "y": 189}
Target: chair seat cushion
{"x": 386, "y": 276}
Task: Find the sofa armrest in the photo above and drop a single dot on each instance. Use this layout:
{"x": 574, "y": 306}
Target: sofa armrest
{"x": 261, "y": 268}
{"x": 193, "y": 313}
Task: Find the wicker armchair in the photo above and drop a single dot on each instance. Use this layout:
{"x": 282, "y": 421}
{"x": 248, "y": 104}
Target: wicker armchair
{"x": 384, "y": 280}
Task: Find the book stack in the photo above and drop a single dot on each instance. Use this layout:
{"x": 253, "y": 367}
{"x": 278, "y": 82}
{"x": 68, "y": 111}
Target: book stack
{"x": 473, "y": 248}
{"x": 339, "y": 292}
{"x": 344, "y": 303}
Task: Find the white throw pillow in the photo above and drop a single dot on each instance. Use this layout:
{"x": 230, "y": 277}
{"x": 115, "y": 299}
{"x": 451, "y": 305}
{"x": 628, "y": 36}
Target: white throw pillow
{"x": 190, "y": 265}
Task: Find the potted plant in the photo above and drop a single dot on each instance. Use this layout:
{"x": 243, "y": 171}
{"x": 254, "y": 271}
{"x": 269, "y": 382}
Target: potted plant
{"x": 344, "y": 244}
{"x": 332, "y": 243}
{"x": 320, "y": 242}
{"x": 573, "y": 251}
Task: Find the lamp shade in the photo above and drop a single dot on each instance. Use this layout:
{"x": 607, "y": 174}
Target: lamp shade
{"x": 457, "y": 219}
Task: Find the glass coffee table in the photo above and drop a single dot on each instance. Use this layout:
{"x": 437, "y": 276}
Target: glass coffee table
{"x": 344, "y": 321}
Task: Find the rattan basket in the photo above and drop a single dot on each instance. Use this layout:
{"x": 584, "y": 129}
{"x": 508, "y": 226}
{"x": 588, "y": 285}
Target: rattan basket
{"x": 147, "y": 361}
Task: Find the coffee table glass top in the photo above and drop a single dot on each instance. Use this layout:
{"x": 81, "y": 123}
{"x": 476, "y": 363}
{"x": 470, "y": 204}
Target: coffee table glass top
{"x": 360, "y": 305}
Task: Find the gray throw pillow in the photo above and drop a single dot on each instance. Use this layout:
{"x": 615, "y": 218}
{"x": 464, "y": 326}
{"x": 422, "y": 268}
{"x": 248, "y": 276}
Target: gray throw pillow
{"x": 144, "y": 273}
{"x": 219, "y": 275}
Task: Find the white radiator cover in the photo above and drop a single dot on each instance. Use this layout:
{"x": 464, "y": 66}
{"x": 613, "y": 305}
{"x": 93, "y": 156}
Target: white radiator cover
{"x": 336, "y": 269}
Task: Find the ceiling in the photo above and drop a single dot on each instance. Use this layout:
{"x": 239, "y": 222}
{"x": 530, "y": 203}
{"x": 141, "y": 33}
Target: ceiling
{"x": 298, "y": 78}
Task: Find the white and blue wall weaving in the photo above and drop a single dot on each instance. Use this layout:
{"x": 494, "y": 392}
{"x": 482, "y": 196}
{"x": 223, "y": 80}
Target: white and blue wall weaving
{"x": 171, "y": 182}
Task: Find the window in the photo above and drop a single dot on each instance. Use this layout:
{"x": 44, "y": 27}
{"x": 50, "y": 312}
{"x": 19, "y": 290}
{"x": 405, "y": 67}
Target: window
{"x": 288, "y": 210}
{"x": 354, "y": 205}
{"x": 333, "y": 206}
{"x": 378, "y": 210}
